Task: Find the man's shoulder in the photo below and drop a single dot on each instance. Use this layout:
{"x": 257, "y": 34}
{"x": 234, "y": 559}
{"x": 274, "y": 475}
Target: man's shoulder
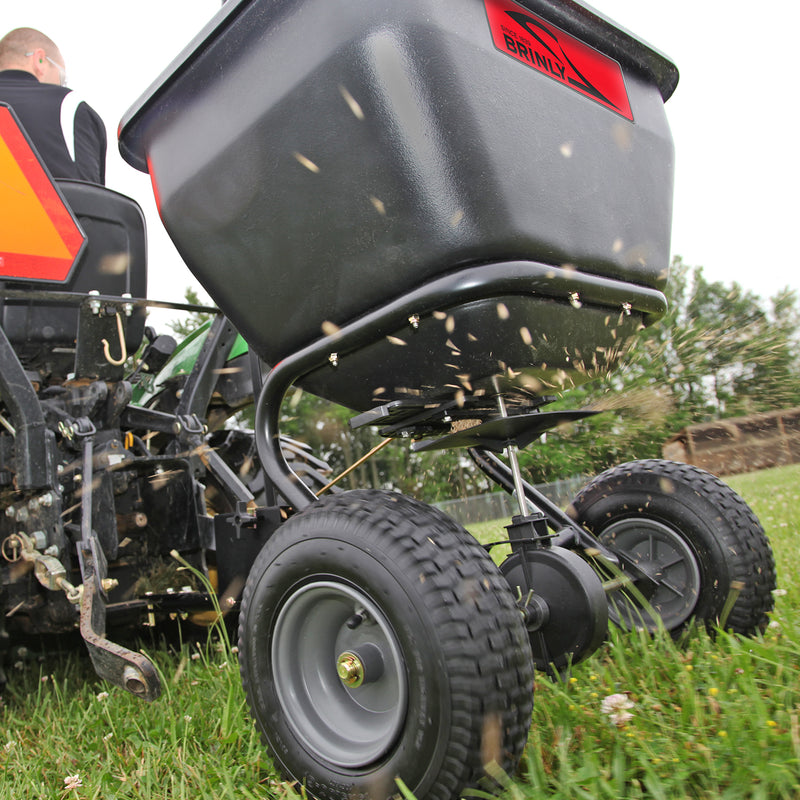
{"x": 23, "y": 84}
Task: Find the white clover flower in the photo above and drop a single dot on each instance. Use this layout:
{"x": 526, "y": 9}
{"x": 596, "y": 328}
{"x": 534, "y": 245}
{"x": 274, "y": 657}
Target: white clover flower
{"x": 102, "y": 695}
{"x": 616, "y": 707}
{"x": 72, "y": 782}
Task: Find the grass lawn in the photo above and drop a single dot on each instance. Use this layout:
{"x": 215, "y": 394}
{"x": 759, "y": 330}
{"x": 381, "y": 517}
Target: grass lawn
{"x": 709, "y": 718}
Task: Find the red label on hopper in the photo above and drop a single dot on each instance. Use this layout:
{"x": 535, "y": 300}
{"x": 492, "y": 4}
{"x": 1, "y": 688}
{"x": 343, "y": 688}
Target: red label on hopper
{"x": 547, "y": 49}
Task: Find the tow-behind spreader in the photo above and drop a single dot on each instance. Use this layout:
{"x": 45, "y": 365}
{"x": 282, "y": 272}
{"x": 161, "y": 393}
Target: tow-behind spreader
{"x": 439, "y": 215}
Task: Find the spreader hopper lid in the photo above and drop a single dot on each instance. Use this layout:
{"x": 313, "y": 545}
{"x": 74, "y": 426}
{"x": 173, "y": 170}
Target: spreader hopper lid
{"x": 581, "y": 19}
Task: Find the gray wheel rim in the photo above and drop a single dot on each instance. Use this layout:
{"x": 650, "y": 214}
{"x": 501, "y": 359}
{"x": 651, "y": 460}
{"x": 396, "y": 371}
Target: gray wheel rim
{"x": 664, "y": 555}
{"x": 346, "y": 726}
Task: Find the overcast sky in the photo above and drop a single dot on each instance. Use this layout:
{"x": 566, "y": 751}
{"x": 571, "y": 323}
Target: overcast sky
{"x": 732, "y": 116}
{"x": 734, "y": 121}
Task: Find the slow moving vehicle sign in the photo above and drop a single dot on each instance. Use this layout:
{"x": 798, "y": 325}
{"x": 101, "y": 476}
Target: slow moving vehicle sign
{"x": 39, "y": 237}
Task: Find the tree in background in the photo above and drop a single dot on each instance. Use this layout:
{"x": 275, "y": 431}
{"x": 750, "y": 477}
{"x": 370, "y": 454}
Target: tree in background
{"x": 770, "y": 380}
{"x": 189, "y": 323}
{"x": 729, "y": 346}
{"x": 720, "y": 351}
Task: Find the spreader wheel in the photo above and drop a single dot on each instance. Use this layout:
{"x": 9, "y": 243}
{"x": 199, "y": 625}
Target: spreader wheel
{"x": 693, "y": 547}
{"x": 378, "y": 640}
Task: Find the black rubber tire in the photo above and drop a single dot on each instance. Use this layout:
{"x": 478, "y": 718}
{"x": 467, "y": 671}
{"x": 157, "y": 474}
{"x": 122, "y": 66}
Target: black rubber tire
{"x": 464, "y": 656}
{"x": 722, "y": 547}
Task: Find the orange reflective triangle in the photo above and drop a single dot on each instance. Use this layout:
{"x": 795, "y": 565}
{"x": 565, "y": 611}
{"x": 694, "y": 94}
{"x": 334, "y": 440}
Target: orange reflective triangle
{"x": 39, "y": 238}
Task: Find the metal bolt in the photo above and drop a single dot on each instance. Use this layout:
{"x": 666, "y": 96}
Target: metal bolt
{"x": 334, "y": 359}
{"x": 414, "y": 321}
{"x": 350, "y": 670}
{"x": 39, "y": 539}
{"x": 626, "y": 309}
{"x": 94, "y": 305}
{"x": 127, "y": 308}
{"x": 109, "y": 583}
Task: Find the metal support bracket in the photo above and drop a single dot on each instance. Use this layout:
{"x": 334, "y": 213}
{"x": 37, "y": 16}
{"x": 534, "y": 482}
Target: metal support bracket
{"x": 113, "y": 662}
{"x": 132, "y": 671}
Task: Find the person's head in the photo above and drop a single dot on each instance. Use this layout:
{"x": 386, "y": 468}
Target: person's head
{"x": 30, "y": 50}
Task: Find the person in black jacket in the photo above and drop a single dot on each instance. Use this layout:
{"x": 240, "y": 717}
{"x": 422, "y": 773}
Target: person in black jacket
{"x": 68, "y": 133}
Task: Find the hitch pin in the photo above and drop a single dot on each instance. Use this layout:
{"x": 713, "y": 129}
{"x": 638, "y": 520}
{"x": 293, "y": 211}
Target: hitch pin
{"x": 49, "y": 571}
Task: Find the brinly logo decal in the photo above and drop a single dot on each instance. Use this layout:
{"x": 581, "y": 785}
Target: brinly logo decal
{"x": 547, "y": 49}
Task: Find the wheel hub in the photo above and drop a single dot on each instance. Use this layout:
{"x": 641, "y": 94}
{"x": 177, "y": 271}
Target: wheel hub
{"x": 339, "y": 673}
{"x": 671, "y": 583}
{"x": 361, "y": 665}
